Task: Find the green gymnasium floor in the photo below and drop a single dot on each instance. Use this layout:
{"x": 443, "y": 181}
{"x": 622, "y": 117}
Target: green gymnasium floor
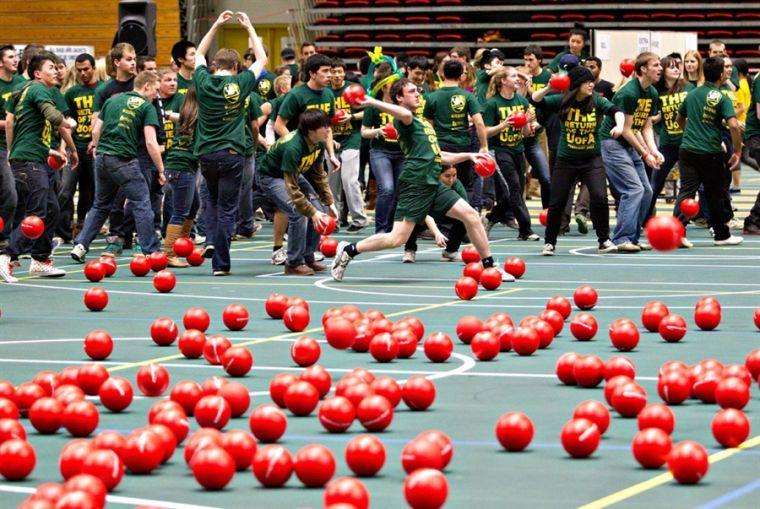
{"x": 44, "y": 321}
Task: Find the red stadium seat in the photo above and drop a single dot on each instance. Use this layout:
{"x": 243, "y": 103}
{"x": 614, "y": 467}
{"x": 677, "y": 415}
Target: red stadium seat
{"x": 748, "y": 33}
{"x": 691, "y": 16}
{"x": 601, "y": 17}
{"x": 356, "y": 20}
{"x": 418, "y": 37}
{"x": 451, "y": 37}
{"x": 748, "y": 53}
{"x": 748, "y": 15}
{"x": 388, "y": 37}
{"x": 417, "y": 18}
{"x": 327, "y": 21}
{"x": 326, "y": 3}
{"x": 719, "y": 15}
{"x": 448, "y": 18}
{"x": 355, "y": 52}
{"x": 660, "y": 16}
{"x": 328, "y": 37}
{"x": 539, "y": 36}
{"x": 387, "y": 20}
{"x": 420, "y": 52}
{"x": 410, "y": 3}
{"x": 330, "y": 52}
{"x": 638, "y": 16}
{"x": 549, "y": 53}
{"x": 543, "y": 17}
{"x": 356, "y": 3}
{"x": 387, "y": 3}
{"x": 572, "y": 17}
{"x": 356, "y": 37}
{"x": 448, "y": 2}
{"x": 719, "y": 33}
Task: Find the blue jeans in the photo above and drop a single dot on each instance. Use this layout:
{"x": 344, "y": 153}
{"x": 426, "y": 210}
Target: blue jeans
{"x": 8, "y": 196}
{"x": 302, "y": 238}
{"x": 539, "y": 168}
{"x": 82, "y": 178}
{"x": 223, "y": 171}
{"x": 184, "y": 197}
{"x": 626, "y": 172}
{"x": 659, "y": 177}
{"x": 113, "y": 174}
{"x": 35, "y": 187}
{"x": 245, "y": 207}
{"x": 386, "y": 166}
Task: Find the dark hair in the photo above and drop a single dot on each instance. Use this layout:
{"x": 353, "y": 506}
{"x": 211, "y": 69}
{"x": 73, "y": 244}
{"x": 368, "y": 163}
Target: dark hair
{"x": 579, "y": 31}
{"x": 417, "y": 62}
{"x": 462, "y": 51}
{"x": 398, "y": 87}
{"x": 5, "y": 48}
{"x": 364, "y": 63}
{"x": 741, "y": 66}
{"x": 315, "y": 62}
{"x": 452, "y": 70}
{"x": 402, "y": 57}
{"x": 35, "y": 64}
{"x": 179, "y": 50}
{"x": 307, "y": 43}
{"x": 52, "y": 56}
{"x": 188, "y": 112}
{"x": 596, "y": 60}
{"x": 82, "y": 58}
{"x": 713, "y": 68}
{"x": 311, "y": 120}
{"x": 535, "y": 50}
{"x": 662, "y": 84}
{"x": 249, "y": 55}
{"x": 488, "y": 56}
{"x": 338, "y": 62}
{"x": 142, "y": 60}
{"x": 676, "y": 55}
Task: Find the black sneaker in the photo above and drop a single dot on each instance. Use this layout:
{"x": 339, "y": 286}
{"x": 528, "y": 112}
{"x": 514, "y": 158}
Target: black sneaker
{"x": 512, "y": 223}
{"x": 751, "y": 228}
{"x": 208, "y": 252}
{"x": 354, "y": 228}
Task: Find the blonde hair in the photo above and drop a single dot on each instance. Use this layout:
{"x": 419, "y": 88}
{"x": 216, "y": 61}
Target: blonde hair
{"x": 70, "y": 79}
{"x": 494, "y": 87}
{"x": 643, "y": 59}
{"x": 117, "y": 53}
{"x": 700, "y": 71}
{"x": 281, "y": 80}
{"x": 146, "y": 78}
{"x": 101, "y": 72}
{"x": 227, "y": 59}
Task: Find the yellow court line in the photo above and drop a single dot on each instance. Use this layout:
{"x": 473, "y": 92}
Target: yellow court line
{"x": 661, "y": 479}
{"x": 307, "y": 331}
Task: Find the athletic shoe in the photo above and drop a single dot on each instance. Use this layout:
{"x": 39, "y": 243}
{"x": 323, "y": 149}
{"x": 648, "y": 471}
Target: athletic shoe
{"x": 512, "y": 223}
{"x": 700, "y": 222}
{"x": 78, "y": 253}
{"x": 199, "y": 239}
{"x": 221, "y": 272}
{"x": 607, "y": 247}
{"x": 628, "y": 247}
{"x": 733, "y": 240}
{"x": 409, "y": 256}
{"x": 318, "y": 256}
{"x": 45, "y": 269}
{"x": 298, "y": 270}
{"x": 548, "y": 250}
{"x": 279, "y": 257}
{"x": 734, "y": 224}
{"x": 316, "y": 266}
{"x": 582, "y": 223}
{"x": 136, "y": 249}
{"x": 644, "y": 246}
{"x": 113, "y": 249}
{"x": 208, "y": 251}
{"x": 530, "y": 237}
{"x": 57, "y": 242}
{"x": 355, "y": 228}
{"x": 450, "y": 257}
{"x": 6, "y": 269}
{"x": 340, "y": 262}
{"x": 685, "y": 243}
{"x": 751, "y": 228}
{"x": 734, "y": 190}
{"x": 506, "y": 277}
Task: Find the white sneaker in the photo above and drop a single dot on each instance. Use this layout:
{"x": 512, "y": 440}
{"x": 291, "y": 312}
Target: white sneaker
{"x": 318, "y": 256}
{"x": 628, "y": 247}
{"x": 340, "y": 262}
{"x": 450, "y": 257}
{"x": 734, "y": 225}
{"x": 607, "y": 247}
{"x": 45, "y": 269}
{"x": 279, "y": 257}
{"x": 506, "y": 277}
{"x": 6, "y": 269}
{"x": 644, "y": 246}
{"x": 733, "y": 240}
{"x": 199, "y": 239}
{"x": 548, "y": 250}
{"x": 409, "y": 257}
{"x": 686, "y": 243}
{"x": 78, "y": 253}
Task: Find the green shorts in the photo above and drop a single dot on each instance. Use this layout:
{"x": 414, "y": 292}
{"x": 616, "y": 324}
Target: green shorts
{"x": 417, "y": 201}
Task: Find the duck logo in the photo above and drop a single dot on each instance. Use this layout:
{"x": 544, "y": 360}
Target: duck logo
{"x": 264, "y": 87}
{"x": 231, "y": 92}
{"x": 457, "y": 103}
{"x": 713, "y": 98}
{"x": 135, "y": 102}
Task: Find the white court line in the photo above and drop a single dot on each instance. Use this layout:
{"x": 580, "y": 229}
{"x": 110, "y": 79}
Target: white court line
{"x": 114, "y": 499}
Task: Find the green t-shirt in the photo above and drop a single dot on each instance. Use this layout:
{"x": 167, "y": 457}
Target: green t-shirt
{"x": 124, "y": 116}
{"x": 252, "y": 112}
{"x": 265, "y": 89}
{"x": 448, "y": 108}
{"x": 303, "y": 98}
{"x": 171, "y": 105}
{"x": 554, "y": 64}
{"x": 579, "y": 132}
{"x": 221, "y": 119}
{"x": 375, "y": 119}
{"x": 541, "y": 81}
{"x": 6, "y": 90}
{"x": 291, "y": 154}
{"x": 632, "y": 100}
{"x": 498, "y": 109}
{"x": 79, "y": 103}
{"x": 183, "y": 84}
{"x": 422, "y": 155}
{"x": 671, "y": 132}
{"x": 179, "y": 156}
{"x": 482, "y": 80}
{"x": 752, "y": 124}
{"x": 32, "y": 133}
{"x": 705, "y": 109}
{"x": 60, "y": 105}
{"x": 294, "y": 70}
{"x": 726, "y": 90}
{"x": 348, "y": 134}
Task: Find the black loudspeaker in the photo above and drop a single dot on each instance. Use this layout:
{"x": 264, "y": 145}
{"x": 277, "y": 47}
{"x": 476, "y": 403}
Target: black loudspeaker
{"x": 137, "y": 25}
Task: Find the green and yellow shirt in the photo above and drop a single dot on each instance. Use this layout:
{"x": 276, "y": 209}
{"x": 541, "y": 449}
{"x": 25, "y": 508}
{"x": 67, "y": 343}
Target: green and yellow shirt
{"x": 449, "y": 108}
{"x": 349, "y": 133}
{"x": 633, "y": 100}
{"x": 705, "y": 109}
{"x": 422, "y": 155}
{"x": 579, "y": 132}
{"x": 499, "y": 109}
{"x": 6, "y": 90}
{"x": 80, "y": 100}
{"x": 375, "y": 119}
{"x": 303, "y": 98}
{"x": 671, "y": 132}
{"x": 124, "y": 116}
{"x": 32, "y": 133}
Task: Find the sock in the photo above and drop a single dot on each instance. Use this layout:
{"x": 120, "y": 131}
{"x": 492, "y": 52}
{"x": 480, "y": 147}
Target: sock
{"x": 275, "y": 248}
{"x": 351, "y": 250}
{"x": 487, "y": 262}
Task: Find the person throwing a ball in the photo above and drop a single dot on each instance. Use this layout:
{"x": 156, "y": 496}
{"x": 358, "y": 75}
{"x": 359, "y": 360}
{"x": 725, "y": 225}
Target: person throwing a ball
{"x": 420, "y": 193}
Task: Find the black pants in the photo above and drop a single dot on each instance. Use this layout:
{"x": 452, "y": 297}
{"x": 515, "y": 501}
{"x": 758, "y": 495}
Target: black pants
{"x": 35, "y": 186}
{"x": 590, "y": 171}
{"x": 83, "y": 177}
{"x": 707, "y": 169}
{"x": 511, "y": 167}
{"x": 753, "y": 145}
{"x": 465, "y": 172}
{"x": 457, "y": 232}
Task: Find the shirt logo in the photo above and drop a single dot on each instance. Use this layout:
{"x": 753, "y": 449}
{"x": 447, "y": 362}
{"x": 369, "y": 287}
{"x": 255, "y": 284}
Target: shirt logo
{"x": 457, "y": 103}
{"x": 134, "y": 102}
{"x": 264, "y": 87}
{"x": 713, "y": 97}
{"x": 231, "y": 92}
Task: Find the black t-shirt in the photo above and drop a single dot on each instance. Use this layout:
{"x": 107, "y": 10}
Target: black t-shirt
{"x": 111, "y": 88}
{"x": 605, "y": 89}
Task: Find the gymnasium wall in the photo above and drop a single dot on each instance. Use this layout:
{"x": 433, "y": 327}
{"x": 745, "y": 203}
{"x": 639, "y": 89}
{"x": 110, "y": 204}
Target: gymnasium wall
{"x": 80, "y": 22}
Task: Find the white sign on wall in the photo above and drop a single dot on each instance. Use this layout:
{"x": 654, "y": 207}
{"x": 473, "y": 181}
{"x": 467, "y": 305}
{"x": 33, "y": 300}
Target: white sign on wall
{"x": 68, "y": 53}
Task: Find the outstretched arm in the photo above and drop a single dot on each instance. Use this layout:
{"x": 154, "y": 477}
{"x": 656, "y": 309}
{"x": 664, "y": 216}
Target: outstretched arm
{"x": 399, "y": 112}
{"x": 205, "y": 44}
{"x": 260, "y": 63}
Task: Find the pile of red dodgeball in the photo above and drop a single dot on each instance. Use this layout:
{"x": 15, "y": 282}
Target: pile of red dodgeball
{"x": 474, "y": 274}
{"x": 293, "y": 311}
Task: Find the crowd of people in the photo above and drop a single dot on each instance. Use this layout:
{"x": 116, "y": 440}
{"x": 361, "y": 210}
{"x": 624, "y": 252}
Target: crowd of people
{"x": 209, "y": 148}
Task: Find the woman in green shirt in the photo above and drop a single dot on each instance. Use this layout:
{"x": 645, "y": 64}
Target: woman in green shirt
{"x": 672, "y": 88}
{"x": 580, "y": 112}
